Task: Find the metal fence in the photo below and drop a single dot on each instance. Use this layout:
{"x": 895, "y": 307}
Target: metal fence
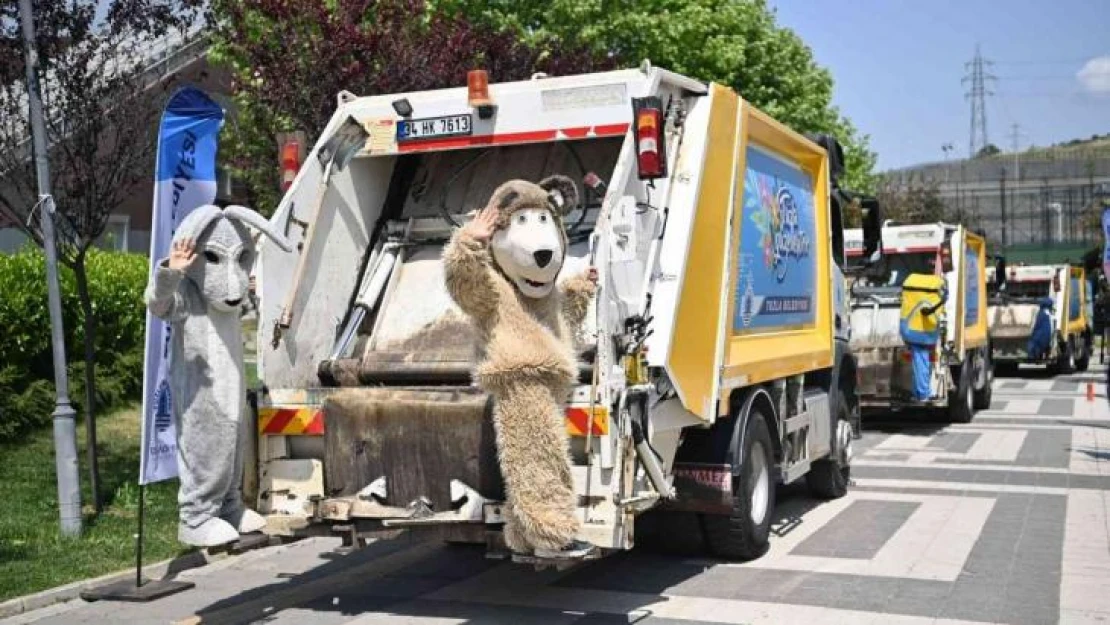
{"x": 1045, "y": 199}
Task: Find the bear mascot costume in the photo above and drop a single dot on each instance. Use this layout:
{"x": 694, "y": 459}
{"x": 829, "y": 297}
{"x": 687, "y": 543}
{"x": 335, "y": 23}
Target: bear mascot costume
{"x": 199, "y": 290}
{"x": 500, "y": 268}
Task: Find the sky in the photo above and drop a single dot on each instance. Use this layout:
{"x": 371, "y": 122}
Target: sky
{"x": 897, "y": 67}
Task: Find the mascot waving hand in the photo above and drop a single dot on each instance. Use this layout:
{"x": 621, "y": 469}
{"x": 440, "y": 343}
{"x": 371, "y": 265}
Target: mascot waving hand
{"x": 501, "y": 270}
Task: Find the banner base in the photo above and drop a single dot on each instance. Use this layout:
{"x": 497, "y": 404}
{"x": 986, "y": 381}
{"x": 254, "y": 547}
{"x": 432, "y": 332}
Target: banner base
{"x": 126, "y": 590}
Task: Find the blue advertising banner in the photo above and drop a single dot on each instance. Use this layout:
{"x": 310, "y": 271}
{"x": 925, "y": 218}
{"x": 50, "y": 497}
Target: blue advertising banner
{"x": 971, "y": 286}
{"x": 185, "y": 179}
{"x": 777, "y": 266}
{"x": 1106, "y": 242}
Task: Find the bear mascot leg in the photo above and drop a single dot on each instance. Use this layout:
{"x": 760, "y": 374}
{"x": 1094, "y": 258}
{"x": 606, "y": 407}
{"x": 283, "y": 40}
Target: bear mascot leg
{"x": 501, "y": 270}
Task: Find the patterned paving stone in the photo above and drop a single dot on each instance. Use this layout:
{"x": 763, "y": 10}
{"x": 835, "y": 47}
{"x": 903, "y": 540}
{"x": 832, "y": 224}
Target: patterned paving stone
{"x": 859, "y": 531}
{"x": 1057, "y": 407}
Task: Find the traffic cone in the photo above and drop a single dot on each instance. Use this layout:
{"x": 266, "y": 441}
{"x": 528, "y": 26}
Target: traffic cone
{"x": 1090, "y": 391}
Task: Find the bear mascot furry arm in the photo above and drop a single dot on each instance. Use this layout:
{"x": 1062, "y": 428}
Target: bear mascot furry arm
{"x": 199, "y": 290}
{"x": 501, "y": 269}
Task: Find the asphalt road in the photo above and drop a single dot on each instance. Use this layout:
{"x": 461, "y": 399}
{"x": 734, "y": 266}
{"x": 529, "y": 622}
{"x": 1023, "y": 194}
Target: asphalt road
{"x": 1004, "y": 520}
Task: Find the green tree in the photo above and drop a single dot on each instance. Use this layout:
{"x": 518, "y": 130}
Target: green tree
{"x": 915, "y": 201}
{"x": 290, "y": 59}
{"x": 733, "y": 42}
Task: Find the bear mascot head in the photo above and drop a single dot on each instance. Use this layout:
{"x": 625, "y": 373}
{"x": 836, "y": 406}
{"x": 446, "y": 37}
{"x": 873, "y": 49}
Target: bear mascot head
{"x": 530, "y": 244}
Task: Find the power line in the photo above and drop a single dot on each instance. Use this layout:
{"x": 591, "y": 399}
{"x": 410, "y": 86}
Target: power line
{"x": 978, "y": 78}
{"x": 1046, "y": 62}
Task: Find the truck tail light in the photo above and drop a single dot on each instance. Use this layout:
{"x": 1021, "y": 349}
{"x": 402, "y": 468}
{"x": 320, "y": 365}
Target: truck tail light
{"x": 1056, "y": 283}
{"x": 290, "y": 163}
{"x": 651, "y": 155}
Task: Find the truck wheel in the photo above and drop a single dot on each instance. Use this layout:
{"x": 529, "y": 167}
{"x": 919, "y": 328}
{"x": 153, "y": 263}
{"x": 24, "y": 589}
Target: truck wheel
{"x": 1083, "y": 360}
{"x": 1065, "y": 362}
{"x": 984, "y": 383}
{"x": 828, "y": 477}
{"x": 961, "y": 404}
{"x": 743, "y": 534}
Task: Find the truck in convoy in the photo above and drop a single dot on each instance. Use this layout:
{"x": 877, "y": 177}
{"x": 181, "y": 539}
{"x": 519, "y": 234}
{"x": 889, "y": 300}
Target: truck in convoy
{"x": 1038, "y": 315}
{"x": 919, "y": 320}
{"x": 714, "y": 363}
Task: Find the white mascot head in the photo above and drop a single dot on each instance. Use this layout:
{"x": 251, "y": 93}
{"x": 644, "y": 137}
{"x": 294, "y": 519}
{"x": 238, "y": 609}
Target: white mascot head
{"x": 530, "y": 244}
{"x": 225, "y": 252}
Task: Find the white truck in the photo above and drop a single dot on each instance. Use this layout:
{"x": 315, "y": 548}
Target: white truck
{"x": 961, "y": 373}
{"x": 715, "y": 363}
{"x": 1057, "y": 294}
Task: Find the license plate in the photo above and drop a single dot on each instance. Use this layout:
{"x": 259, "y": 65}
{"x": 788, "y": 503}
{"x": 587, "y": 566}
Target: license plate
{"x": 433, "y": 127}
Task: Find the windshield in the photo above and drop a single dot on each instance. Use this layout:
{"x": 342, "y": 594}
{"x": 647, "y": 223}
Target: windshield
{"x": 893, "y": 269}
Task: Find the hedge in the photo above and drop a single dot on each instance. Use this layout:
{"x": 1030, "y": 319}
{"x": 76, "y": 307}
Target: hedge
{"x": 116, "y": 283}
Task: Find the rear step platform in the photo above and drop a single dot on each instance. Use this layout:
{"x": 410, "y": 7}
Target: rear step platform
{"x": 559, "y": 564}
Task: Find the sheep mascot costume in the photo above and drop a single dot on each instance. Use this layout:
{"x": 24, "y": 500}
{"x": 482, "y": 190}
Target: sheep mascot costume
{"x": 198, "y": 290}
{"x": 501, "y": 269}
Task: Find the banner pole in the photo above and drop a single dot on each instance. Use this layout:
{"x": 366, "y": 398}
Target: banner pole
{"x": 139, "y": 539}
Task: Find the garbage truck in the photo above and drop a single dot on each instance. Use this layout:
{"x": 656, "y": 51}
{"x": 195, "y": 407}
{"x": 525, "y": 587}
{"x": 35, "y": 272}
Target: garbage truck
{"x": 919, "y": 321}
{"x": 714, "y": 364}
{"x": 1038, "y": 315}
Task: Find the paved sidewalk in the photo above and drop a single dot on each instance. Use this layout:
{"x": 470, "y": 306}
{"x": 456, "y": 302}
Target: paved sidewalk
{"x": 1003, "y": 520}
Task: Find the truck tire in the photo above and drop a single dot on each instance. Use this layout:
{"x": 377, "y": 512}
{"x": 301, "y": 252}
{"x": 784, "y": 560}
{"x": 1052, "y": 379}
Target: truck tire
{"x": 1083, "y": 359}
{"x": 961, "y": 404}
{"x": 828, "y": 477}
{"x": 743, "y": 533}
{"x": 1065, "y": 361}
{"x": 981, "y": 398}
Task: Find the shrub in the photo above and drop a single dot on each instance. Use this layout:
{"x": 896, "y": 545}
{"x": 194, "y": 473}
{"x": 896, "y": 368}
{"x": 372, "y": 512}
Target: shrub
{"x": 116, "y": 283}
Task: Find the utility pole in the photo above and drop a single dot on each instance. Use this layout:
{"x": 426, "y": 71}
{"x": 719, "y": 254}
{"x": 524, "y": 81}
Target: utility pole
{"x": 977, "y": 76}
{"x": 65, "y": 422}
{"x": 1002, "y": 200}
{"x": 1015, "y": 145}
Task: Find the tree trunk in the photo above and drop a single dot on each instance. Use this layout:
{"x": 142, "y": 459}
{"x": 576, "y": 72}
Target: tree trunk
{"x": 90, "y": 376}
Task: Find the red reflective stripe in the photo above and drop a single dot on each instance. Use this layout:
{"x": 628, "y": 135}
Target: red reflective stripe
{"x": 512, "y": 137}
{"x": 316, "y": 425}
{"x": 280, "y": 420}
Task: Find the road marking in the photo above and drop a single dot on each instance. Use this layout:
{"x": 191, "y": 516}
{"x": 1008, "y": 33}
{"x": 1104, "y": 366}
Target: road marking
{"x": 503, "y": 586}
{"x": 962, "y": 486}
{"x": 1009, "y": 468}
{"x": 1085, "y": 569}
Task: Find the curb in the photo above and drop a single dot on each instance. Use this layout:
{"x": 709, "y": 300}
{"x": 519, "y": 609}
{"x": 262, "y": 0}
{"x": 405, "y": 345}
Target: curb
{"x": 158, "y": 570}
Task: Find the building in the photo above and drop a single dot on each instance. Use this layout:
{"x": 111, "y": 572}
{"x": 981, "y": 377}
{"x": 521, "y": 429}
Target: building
{"x": 1039, "y": 205}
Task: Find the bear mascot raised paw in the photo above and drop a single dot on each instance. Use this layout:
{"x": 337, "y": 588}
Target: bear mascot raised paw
{"x": 199, "y": 290}
{"x": 501, "y": 270}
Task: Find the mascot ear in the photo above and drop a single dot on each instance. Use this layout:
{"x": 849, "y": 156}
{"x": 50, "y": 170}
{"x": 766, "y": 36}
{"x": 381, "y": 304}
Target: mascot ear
{"x": 258, "y": 222}
{"x": 196, "y": 222}
{"x": 562, "y": 195}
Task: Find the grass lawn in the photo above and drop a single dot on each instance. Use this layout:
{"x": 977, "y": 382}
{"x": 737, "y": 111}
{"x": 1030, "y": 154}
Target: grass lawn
{"x": 34, "y": 556}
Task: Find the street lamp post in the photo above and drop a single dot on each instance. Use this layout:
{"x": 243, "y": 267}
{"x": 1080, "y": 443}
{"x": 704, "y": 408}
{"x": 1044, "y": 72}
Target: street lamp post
{"x": 65, "y": 422}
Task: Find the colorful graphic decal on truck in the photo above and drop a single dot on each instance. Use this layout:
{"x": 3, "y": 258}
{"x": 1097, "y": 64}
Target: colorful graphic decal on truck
{"x": 971, "y": 286}
{"x": 1074, "y": 297}
{"x": 776, "y": 264}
